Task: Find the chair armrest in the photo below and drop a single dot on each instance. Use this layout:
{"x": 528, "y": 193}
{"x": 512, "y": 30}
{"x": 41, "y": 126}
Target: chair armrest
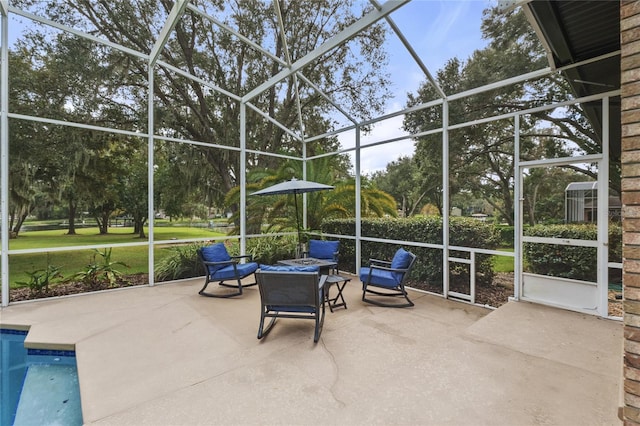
{"x": 386, "y": 268}
{"x": 378, "y": 262}
{"x": 248, "y": 256}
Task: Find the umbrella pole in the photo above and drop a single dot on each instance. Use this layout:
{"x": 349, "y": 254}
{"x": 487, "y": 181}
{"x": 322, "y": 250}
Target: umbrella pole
{"x": 295, "y": 200}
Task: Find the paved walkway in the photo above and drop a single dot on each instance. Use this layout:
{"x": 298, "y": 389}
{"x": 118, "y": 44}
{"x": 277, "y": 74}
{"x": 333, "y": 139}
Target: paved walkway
{"x": 165, "y": 356}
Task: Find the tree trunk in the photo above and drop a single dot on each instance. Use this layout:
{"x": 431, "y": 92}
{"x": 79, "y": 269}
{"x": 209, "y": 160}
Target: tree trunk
{"x": 416, "y": 204}
{"x": 18, "y": 225}
{"x": 140, "y": 225}
{"x": 103, "y": 223}
{"x": 12, "y": 218}
{"x": 73, "y": 207}
{"x": 17, "y": 218}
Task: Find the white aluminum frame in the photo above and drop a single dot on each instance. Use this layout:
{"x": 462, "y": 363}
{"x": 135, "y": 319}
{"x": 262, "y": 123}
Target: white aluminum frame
{"x": 293, "y": 71}
{"x": 602, "y": 241}
{"x": 4, "y": 154}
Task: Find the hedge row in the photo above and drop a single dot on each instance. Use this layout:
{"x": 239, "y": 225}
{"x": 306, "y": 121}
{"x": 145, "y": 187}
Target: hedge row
{"x": 428, "y": 267}
{"x": 550, "y": 259}
{"x": 507, "y": 233}
{"x": 573, "y": 262}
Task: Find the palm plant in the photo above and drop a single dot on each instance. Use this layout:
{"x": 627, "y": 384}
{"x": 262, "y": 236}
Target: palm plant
{"x": 278, "y": 211}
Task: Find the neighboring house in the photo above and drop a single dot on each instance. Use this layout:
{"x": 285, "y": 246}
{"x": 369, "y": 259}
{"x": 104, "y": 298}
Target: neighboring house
{"x": 581, "y": 203}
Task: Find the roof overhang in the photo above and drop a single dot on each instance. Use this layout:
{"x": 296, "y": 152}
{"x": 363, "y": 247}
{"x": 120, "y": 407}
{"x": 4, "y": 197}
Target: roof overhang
{"x": 575, "y": 31}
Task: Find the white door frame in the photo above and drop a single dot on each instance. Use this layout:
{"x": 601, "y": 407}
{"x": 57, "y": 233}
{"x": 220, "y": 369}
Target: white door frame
{"x": 574, "y": 295}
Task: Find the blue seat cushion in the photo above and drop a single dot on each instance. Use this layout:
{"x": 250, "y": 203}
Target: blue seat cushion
{"x": 323, "y": 249}
{"x": 401, "y": 260}
{"x": 227, "y": 272}
{"x": 285, "y": 268}
{"x": 380, "y": 277}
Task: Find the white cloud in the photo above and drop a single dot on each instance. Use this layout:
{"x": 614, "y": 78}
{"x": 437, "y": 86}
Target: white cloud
{"x": 448, "y": 19}
{"x": 375, "y": 158}
{"x": 438, "y": 30}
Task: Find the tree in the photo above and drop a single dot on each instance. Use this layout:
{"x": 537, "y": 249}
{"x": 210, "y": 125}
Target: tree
{"x": 27, "y": 182}
{"x": 133, "y": 188}
{"x": 279, "y": 212}
{"x": 428, "y": 149}
{"x": 544, "y": 193}
{"x": 351, "y": 74}
{"x": 61, "y": 77}
{"x": 401, "y": 179}
{"x": 481, "y": 156}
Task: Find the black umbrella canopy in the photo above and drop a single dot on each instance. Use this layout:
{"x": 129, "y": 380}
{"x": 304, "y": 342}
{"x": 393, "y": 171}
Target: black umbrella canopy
{"x": 294, "y": 186}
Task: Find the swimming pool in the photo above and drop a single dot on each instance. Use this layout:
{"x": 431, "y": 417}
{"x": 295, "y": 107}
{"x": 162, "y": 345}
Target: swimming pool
{"x": 37, "y": 386}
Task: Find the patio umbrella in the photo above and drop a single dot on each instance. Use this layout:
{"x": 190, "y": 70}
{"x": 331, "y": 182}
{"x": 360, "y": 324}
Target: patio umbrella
{"x": 295, "y": 187}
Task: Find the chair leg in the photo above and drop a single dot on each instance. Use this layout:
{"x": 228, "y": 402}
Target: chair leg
{"x": 395, "y": 293}
{"x": 319, "y": 323}
{"x": 224, "y": 295}
{"x": 206, "y": 283}
{"x": 264, "y": 331}
{"x": 239, "y": 286}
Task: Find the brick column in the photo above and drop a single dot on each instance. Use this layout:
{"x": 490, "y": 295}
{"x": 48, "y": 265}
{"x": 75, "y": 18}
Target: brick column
{"x": 630, "y": 69}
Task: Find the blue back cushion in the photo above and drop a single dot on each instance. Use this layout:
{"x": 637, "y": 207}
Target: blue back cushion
{"x": 284, "y": 268}
{"x": 323, "y": 249}
{"x": 215, "y": 253}
{"x": 401, "y": 260}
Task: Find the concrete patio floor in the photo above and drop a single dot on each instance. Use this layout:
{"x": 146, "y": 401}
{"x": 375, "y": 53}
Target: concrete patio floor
{"x": 164, "y": 355}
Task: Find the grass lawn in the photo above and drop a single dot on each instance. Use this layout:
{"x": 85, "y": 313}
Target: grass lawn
{"x": 70, "y": 262}
{"x": 90, "y": 236}
{"x": 503, "y": 263}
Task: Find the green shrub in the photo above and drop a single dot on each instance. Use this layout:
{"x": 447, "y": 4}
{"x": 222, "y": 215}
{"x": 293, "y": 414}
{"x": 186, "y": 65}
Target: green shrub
{"x": 506, "y": 235}
{"x": 615, "y": 242}
{"x": 182, "y": 262}
{"x": 100, "y": 274}
{"x": 270, "y": 249}
{"x": 463, "y": 232}
{"x": 575, "y": 262}
{"x": 39, "y": 280}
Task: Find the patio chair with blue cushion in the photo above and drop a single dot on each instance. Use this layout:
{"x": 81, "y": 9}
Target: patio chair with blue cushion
{"x": 221, "y": 267}
{"x": 386, "y": 279}
{"x": 324, "y": 250}
{"x": 290, "y": 292}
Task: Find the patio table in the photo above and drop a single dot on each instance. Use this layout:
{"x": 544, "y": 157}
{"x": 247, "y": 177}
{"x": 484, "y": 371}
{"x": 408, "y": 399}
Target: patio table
{"x": 324, "y": 266}
{"x": 341, "y": 283}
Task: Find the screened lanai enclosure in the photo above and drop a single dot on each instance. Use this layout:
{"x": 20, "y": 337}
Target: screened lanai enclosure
{"x": 149, "y": 111}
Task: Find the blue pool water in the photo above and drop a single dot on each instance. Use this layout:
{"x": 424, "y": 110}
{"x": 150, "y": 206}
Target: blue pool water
{"x": 37, "y": 387}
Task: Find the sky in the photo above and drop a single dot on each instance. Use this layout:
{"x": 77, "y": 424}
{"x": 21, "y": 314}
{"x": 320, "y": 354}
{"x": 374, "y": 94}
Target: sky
{"x": 438, "y": 30}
